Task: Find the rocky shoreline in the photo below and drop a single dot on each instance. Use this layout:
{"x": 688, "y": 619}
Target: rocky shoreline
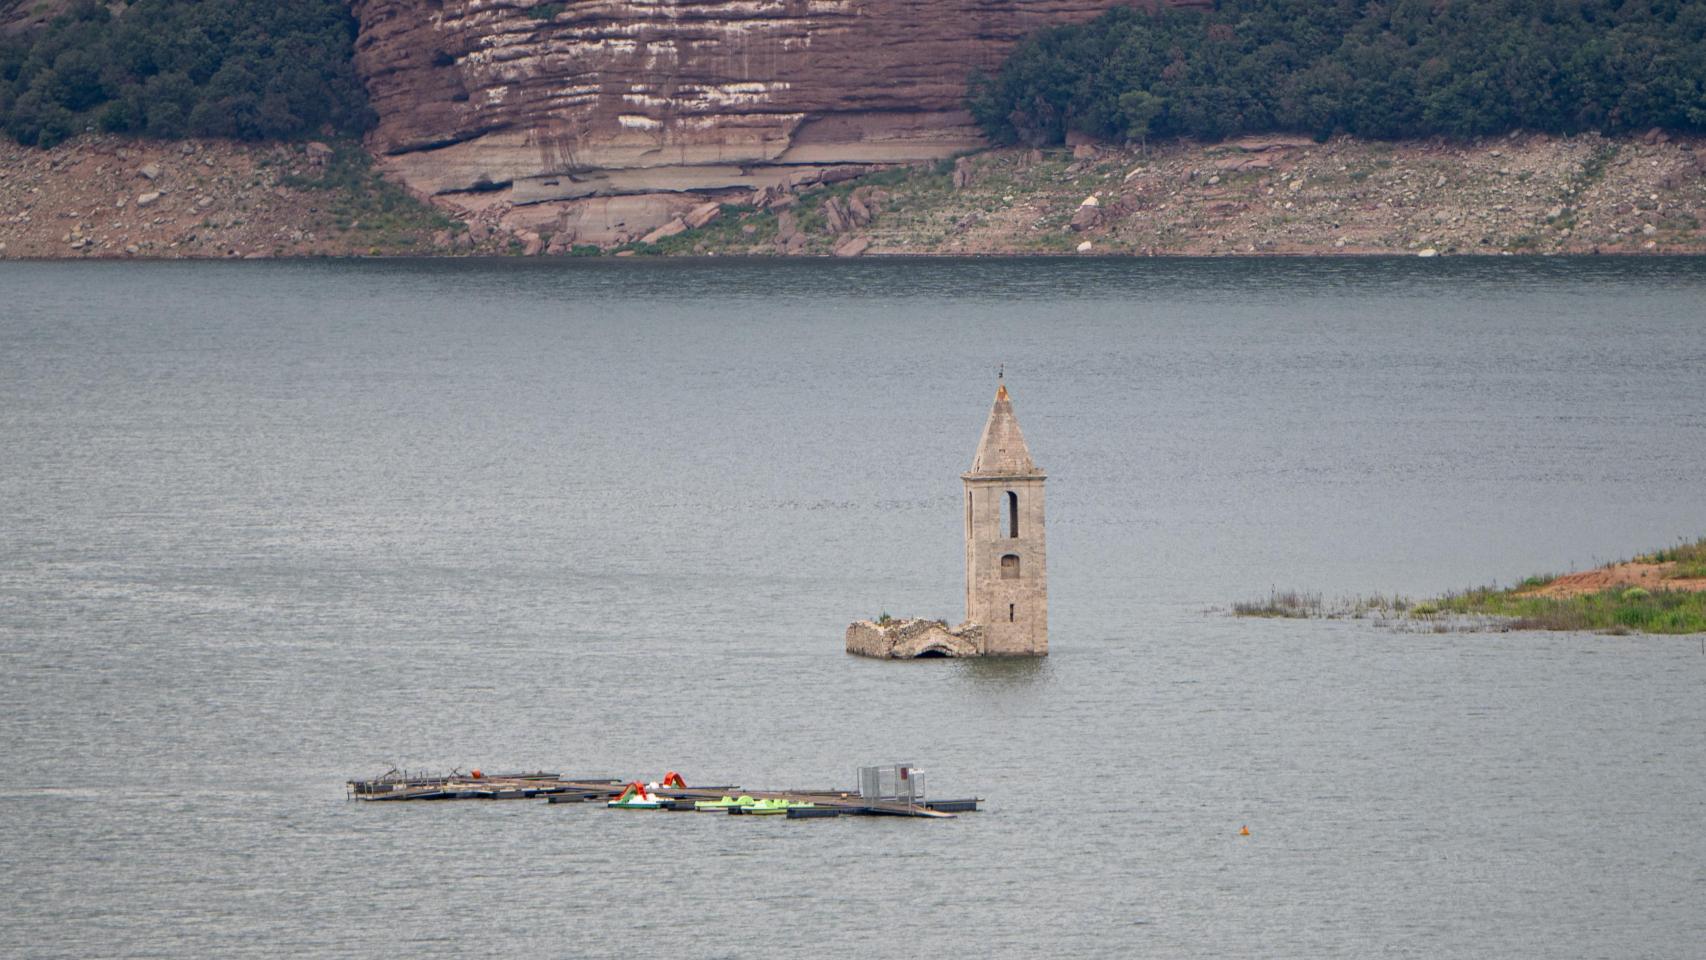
{"x": 108, "y": 197}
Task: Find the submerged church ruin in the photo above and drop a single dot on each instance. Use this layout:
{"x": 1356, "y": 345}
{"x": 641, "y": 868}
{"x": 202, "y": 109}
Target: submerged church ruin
{"x": 1006, "y": 561}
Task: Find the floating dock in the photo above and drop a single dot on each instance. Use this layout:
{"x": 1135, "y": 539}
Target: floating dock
{"x": 671, "y": 794}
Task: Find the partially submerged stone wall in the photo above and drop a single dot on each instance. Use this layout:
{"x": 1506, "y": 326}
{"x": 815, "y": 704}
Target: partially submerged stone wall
{"x": 912, "y": 638}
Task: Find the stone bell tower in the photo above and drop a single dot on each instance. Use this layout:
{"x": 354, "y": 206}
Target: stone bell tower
{"x": 1006, "y": 556}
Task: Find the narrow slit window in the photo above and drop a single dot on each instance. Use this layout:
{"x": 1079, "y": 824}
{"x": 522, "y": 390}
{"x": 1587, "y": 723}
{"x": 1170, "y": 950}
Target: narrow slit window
{"x": 969, "y": 496}
{"x": 1010, "y": 613}
{"x": 1012, "y": 514}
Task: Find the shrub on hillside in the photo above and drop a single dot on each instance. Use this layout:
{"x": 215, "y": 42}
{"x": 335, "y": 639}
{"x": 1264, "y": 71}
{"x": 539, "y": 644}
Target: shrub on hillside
{"x": 1373, "y": 69}
{"x": 244, "y": 69}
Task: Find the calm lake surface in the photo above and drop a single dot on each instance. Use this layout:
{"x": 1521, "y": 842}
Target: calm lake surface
{"x": 267, "y": 526}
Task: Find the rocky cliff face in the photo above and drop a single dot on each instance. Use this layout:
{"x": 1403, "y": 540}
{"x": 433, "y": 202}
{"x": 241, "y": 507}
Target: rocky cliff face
{"x": 552, "y": 102}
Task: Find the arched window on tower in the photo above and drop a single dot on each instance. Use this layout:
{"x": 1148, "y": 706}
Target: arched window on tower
{"x": 1012, "y": 514}
{"x": 1010, "y": 567}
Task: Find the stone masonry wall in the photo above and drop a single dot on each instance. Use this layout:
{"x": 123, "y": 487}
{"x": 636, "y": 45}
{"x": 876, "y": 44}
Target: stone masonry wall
{"x": 912, "y": 638}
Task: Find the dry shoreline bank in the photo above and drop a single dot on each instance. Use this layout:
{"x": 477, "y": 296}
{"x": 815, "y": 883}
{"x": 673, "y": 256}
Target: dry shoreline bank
{"x": 109, "y": 197}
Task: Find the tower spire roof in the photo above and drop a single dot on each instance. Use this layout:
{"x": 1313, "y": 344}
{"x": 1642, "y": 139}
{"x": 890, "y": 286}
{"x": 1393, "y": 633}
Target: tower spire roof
{"x": 1001, "y": 452}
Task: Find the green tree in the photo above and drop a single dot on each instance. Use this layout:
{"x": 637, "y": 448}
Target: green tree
{"x": 1393, "y": 68}
{"x": 251, "y": 69}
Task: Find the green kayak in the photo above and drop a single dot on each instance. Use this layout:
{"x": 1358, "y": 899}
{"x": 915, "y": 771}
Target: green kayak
{"x": 773, "y": 807}
{"x": 725, "y": 803}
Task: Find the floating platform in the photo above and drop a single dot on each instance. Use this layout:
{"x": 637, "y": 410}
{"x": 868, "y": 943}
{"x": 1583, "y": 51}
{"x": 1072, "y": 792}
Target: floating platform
{"x": 554, "y": 788}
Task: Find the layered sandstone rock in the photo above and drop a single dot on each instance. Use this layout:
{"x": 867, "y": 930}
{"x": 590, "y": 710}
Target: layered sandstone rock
{"x": 540, "y": 103}
{"x": 911, "y": 639}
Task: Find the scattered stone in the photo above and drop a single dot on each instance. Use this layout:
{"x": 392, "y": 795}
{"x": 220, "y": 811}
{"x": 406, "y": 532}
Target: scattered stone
{"x": 1084, "y": 247}
{"x": 1085, "y": 151}
{"x": 1427, "y": 252}
{"x": 703, "y": 214}
{"x": 1088, "y": 216}
{"x": 1265, "y": 144}
{"x": 318, "y": 153}
{"x": 962, "y": 173}
{"x": 842, "y": 173}
{"x": 852, "y": 246}
{"x": 1244, "y": 163}
{"x": 148, "y": 199}
{"x": 1648, "y": 229}
{"x": 834, "y": 217}
{"x": 857, "y": 211}
{"x": 787, "y": 228}
{"x": 670, "y": 229}
{"x": 149, "y": 171}
{"x": 532, "y": 244}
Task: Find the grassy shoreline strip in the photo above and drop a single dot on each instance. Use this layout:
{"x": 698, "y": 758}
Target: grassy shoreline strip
{"x": 1614, "y": 610}
{"x": 1617, "y": 609}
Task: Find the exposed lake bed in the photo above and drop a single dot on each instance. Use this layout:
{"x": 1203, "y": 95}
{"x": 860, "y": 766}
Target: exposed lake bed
{"x": 272, "y": 524}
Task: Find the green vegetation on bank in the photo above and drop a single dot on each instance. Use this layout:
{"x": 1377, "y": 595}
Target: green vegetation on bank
{"x": 1619, "y": 609}
{"x": 242, "y": 69}
{"x": 368, "y": 210}
{"x": 1690, "y": 560}
{"x": 1616, "y": 610}
{"x": 1371, "y": 69}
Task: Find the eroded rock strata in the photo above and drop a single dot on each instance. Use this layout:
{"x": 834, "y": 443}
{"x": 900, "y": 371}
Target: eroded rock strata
{"x": 550, "y": 103}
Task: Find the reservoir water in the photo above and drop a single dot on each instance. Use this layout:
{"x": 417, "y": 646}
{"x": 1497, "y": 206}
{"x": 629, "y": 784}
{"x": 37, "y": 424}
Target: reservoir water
{"x": 266, "y": 526}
